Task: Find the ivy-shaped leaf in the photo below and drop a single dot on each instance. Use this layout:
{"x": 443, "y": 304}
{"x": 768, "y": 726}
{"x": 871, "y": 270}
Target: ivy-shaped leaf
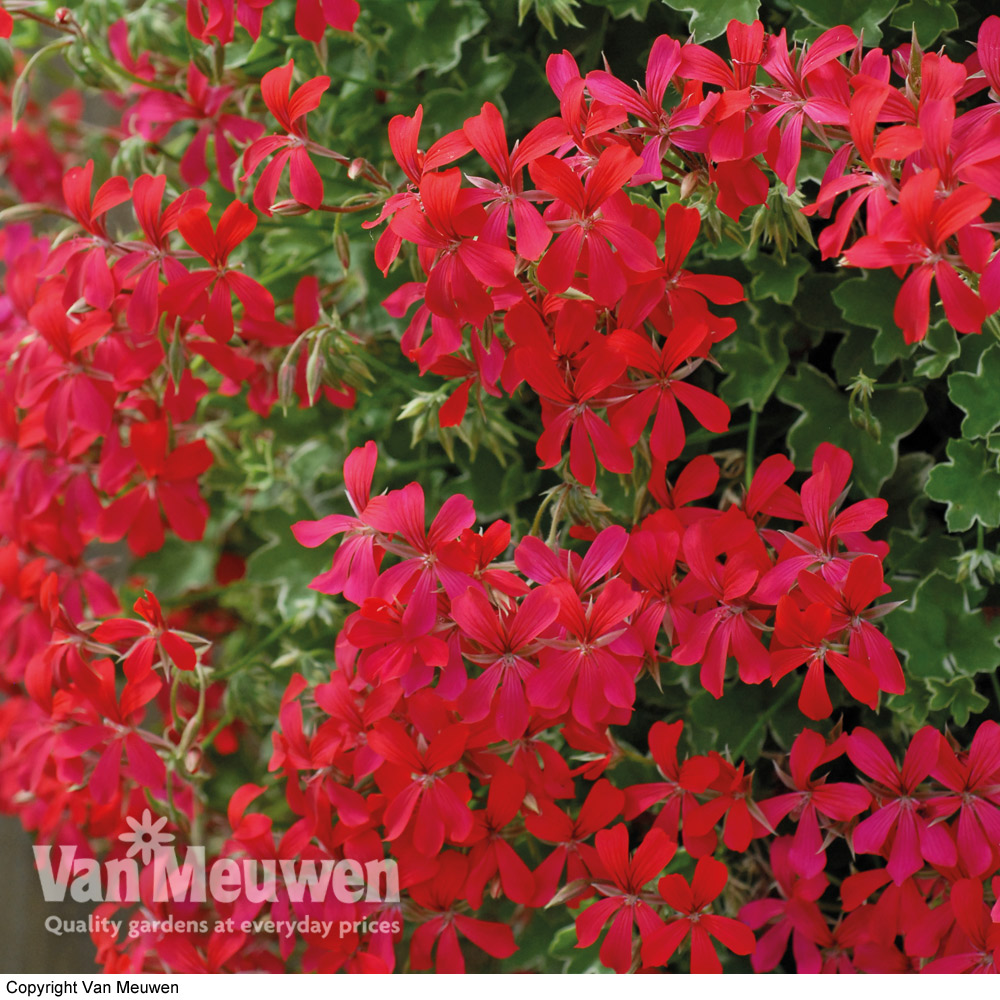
{"x": 709, "y": 17}
{"x": 825, "y": 417}
{"x": 434, "y": 36}
{"x": 861, "y": 15}
{"x": 929, "y": 17}
{"x": 979, "y": 395}
{"x": 869, "y": 301}
{"x": 959, "y": 696}
{"x": 969, "y": 484}
{"x": 775, "y": 279}
{"x": 941, "y": 635}
{"x": 754, "y": 371}
{"x": 937, "y": 351}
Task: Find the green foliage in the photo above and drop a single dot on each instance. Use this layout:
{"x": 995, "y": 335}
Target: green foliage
{"x": 861, "y": 15}
{"x": 825, "y": 416}
{"x": 977, "y": 394}
{"x": 777, "y": 279}
{"x": 940, "y": 633}
{"x": 929, "y": 18}
{"x": 708, "y": 18}
{"x": 969, "y": 484}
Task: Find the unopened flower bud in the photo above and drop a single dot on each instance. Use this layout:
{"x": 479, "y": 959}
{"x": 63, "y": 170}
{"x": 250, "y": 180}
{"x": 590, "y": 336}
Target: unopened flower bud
{"x": 289, "y": 207}
{"x": 343, "y": 247}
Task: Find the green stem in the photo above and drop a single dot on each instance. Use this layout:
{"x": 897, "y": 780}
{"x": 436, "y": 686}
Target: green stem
{"x": 751, "y": 446}
{"x": 536, "y": 525}
{"x": 207, "y": 742}
{"x": 763, "y": 720}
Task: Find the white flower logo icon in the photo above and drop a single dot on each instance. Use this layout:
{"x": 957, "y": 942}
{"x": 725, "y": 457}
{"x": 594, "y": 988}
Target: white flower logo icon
{"x": 146, "y": 837}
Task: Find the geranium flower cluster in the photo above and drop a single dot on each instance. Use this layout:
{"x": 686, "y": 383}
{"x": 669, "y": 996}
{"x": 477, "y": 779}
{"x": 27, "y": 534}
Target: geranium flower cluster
{"x": 464, "y": 684}
{"x": 548, "y": 272}
{"x": 482, "y": 702}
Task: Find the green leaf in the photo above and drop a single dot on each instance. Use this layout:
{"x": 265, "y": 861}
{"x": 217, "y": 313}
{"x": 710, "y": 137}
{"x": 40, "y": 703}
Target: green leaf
{"x": 547, "y": 11}
{"x": 930, "y": 17}
{"x": 725, "y": 722}
{"x": 969, "y": 484}
{"x": 814, "y": 303}
{"x": 914, "y": 556}
{"x": 754, "y": 371}
{"x": 911, "y": 709}
{"x": 825, "y": 417}
{"x": 434, "y": 36}
{"x": 941, "y": 635}
{"x": 861, "y": 15}
{"x": 775, "y": 279}
{"x": 979, "y": 395}
{"x": 638, "y": 10}
{"x": 709, "y": 17}
{"x": 854, "y": 356}
{"x": 942, "y": 343}
{"x": 869, "y": 301}
{"x": 959, "y": 696}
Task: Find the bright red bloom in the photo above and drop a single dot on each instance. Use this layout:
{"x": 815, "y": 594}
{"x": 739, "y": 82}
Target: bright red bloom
{"x": 427, "y": 799}
{"x": 980, "y": 949}
{"x": 440, "y": 895}
{"x": 106, "y": 724}
{"x": 624, "y": 900}
{"x": 459, "y": 267}
{"x": 916, "y": 232}
{"x": 663, "y": 386}
{"x": 141, "y": 266}
{"x": 313, "y": 17}
{"x": 974, "y": 781}
{"x": 569, "y": 409}
{"x": 356, "y": 561}
{"x": 683, "y": 782}
{"x": 190, "y": 293}
{"x": 826, "y": 527}
{"x": 804, "y": 635}
{"x": 306, "y": 183}
{"x": 812, "y": 802}
{"x": 900, "y": 829}
{"x": 588, "y": 216}
{"x": 156, "y": 642}
{"x": 492, "y": 856}
{"x": 553, "y": 826}
{"x": 731, "y": 786}
{"x": 807, "y": 92}
{"x": 205, "y": 104}
{"x": 783, "y": 915}
{"x": 691, "y": 902}
{"x": 508, "y": 640}
{"x": 729, "y": 619}
{"x": 591, "y": 673}
{"x": 86, "y": 258}
{"x": 171, "y": 481}
{"x": 506, "y": 196}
